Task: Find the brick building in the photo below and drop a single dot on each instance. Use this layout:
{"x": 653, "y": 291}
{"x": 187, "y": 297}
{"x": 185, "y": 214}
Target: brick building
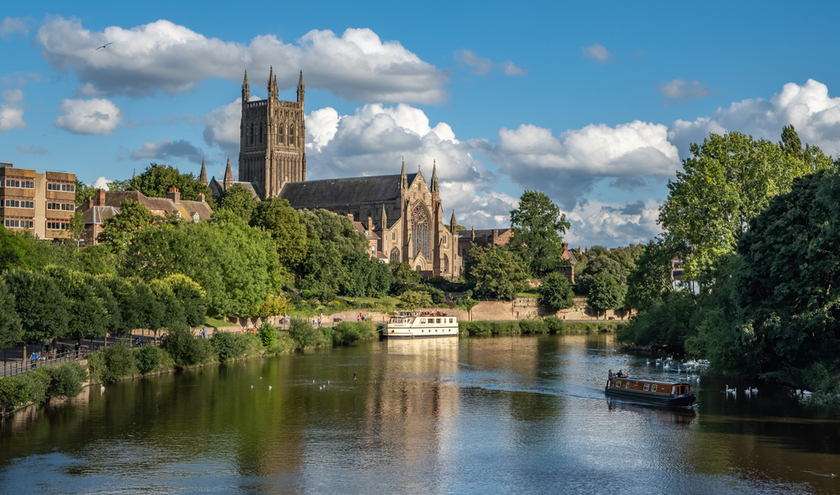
{"x": 39, "y": 203}
{"x": 104, "y": 205}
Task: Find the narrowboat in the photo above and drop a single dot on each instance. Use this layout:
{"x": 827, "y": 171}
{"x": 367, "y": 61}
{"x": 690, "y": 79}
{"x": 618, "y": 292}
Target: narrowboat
{"x": 420, "y": 325}
{"x": 656, "y": 392}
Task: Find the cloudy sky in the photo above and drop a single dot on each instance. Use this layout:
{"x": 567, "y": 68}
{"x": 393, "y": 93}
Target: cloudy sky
{"x": 593, "y": 105}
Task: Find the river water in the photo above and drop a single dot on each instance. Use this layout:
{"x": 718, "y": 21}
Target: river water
{"x": 469, "y": 415}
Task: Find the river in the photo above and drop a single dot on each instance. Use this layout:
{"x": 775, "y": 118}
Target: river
{"x": 469, "y": 415}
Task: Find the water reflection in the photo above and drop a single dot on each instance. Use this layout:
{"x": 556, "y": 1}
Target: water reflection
{"x": 479, "y": 415}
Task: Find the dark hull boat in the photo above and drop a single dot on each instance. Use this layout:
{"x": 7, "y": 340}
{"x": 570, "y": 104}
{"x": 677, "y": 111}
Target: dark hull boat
{"x": 658, "y": 393}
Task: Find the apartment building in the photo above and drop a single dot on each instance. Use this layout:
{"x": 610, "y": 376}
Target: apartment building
{"x": 39, "y": 203}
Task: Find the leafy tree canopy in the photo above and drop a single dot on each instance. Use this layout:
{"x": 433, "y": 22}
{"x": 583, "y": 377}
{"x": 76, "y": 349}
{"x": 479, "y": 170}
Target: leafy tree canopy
{"x": 156, "y": 180}
{"x": 120, "y": 230}
{"x": 239, "y": 201}
{"x": 496, "y": 273}
{"x": 11, "y": 330}
{"x": 83, "y": 192}
{"x": 650, "y": 280}
{"x": 538, "y": 227}
{"x": 727, "y": 182}
{"x": 286, "y": 227}
{"x": 40, "y": 304}
{"x": 605, "y": 293}
{"x": 556, "y": 292}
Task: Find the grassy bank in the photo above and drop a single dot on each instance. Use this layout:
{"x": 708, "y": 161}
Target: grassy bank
{"x": 549, "y": 324}
{"x": 179, "y": 350}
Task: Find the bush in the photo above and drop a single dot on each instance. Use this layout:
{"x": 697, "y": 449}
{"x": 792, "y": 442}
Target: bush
{"x": 533, "y": 326}
{"x": 347, "y": 332}
{"x": 23, "y": 389}
{"x": 117, "y": 362}
{"x": 416, "y": 299}
{"x": 148, "y": 359}
{"x": 268, "y": 335}
{"x": 67, "y": 380}
{"x": 227, "y": 346}
{"x": 185, "y": 348}
{"x": 304, "y": 334}
{"x": 554, "y": 324}
{"x": 488, "y": 327}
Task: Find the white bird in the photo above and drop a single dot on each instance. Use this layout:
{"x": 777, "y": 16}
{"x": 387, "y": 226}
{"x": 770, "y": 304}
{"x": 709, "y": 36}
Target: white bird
{"x": 648, "y": 361}
{"x": 102, "y": 389}
{"x": 252, "y": 387}
{"x": 730, "y": 390}
{"x": 269, "y": 387}
{"x": 104, "y": 46}
{"x": 260, "y": 378}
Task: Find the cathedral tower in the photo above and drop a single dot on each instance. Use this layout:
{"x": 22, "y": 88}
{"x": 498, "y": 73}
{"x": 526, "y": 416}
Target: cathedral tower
{"x": 272, "y": 138}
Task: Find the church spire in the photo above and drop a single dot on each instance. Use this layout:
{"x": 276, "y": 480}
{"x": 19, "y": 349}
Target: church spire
{"x": 228, "y": 175}
{"x": 403, "y": 177}
{"x": 452, "y": 221}
{"x": 300, "y": 89}
{"x": 270, "y": 81}
{"x": 384, "y": 219}
{"x": 246, "y": 90}
{"x": 434, "y": 177}
{"x": 203, "y": 176}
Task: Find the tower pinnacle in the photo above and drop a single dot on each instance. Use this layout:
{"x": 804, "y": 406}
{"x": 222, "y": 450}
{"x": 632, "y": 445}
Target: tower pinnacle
{"x": 434, "y": 177}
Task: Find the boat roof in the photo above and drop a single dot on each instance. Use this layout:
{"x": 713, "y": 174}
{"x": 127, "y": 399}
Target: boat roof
{"x": 642, "y": 379}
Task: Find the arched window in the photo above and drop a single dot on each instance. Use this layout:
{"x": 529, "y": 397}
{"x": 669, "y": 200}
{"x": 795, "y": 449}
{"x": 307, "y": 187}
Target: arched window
{"x": 282, "y": 136}
{"x": 291, "y": 135}
{"x": 445, "y": 263}
{"x": 395, "y": 254}
{"x": 421, "y": 231}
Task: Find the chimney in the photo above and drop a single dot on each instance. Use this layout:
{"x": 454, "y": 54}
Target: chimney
{"x": 350, "y": 216}
{"x": 201, "y": 197}
{"x": 565, "y": 246}
{"x": 472, "y": 236}
{"x": 100, "y": 197}
{"x": 370, "y": 226}
{"x": 174, "y": 195}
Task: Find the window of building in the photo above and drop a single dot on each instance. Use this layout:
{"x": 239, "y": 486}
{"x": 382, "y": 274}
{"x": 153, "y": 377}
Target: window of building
{"x": 421, "y": 231}
{"x": 647, "y": 387}
{"x": 14, "y": 223}
{"x": 373, "y": 250}
{"x": 57, "y": 225}
{"x": 653, "y": 388}
{"x": 444, "y": 239}
{"x": 52, "y": 186}
{"x": 16, "y": 203}
{"x": 393, "y": 236}
{"x": 61, "y": 206}
{"x": 395, "y": 254}
{"x": 25, "y": 184}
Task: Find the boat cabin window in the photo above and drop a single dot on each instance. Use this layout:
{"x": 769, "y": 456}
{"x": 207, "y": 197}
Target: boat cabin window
{"x": 626, "y": 384}
{"x": 438, "y": 320}
{"x": 647, "y": 387}
{"x": 422, "y": 321}
{"x": 618, "y": 383}
{"x": 653, "y": 388}
{"x": 673, "y": 390}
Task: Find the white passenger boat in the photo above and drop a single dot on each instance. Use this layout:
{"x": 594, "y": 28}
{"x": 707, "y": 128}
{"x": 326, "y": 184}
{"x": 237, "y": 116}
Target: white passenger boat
{"x": 421, "y": 325}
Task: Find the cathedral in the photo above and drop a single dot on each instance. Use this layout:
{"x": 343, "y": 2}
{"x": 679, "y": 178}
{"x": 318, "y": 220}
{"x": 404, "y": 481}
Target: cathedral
{"x": 400, "y": 214}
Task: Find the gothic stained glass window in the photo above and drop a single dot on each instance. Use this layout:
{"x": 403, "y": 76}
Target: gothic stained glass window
{"x": 395, "y": 254}
{"x": 421, "y": 232}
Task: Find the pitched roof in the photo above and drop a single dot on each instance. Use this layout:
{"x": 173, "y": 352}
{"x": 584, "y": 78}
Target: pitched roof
{"x": 187, "y": 208}
{"x": 466, "y": 235}
{"x": 98, "y": 214}
{"x": 332, "y": 193}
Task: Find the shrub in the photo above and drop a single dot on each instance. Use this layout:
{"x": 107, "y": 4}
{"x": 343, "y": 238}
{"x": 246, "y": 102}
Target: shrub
{"x": 185, "y": 348}
{"x": 26, "y": 388}
{"x": 268, "y": 335}
{"x": 533, "y": 326}
{"x": 148, "y": 359}
{"x": 227, "y": 346}
{"x": 416, "y": 299}
{"x": 304, "y": 334}
{"x": 67, "y": 380}
{"x": 347, "y": 332}
{"x": 118, "y": 361}
{"x": 554, "y": 324}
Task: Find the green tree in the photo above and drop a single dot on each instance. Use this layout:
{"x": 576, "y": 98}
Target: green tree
{"x": 286, "y": 227}
{"x": 239, "y": 201}
{"x": 416, "y": 299}
{"x": 787, "y": 287}
{"x": 87, "y": 315}
{"x": 156, "y": 180}
{"x": 538, "y": 227}
{"x": 11, "y": 330}
{"x": 125, "y": 297}
{"x": 725, "y": 184}
{"x": 605, "y": 293}
{"x": 650, "y": 280}
{"x": 495, "y": 273}
{"x": 120, "y": 230}
{"x": 191, "y": 297}
{"x": 23, "y": 250}
{"x": 83, "y": 192}
{"x": 172, "y": 313}
{"x": 40, "y": 305}
{"x": 556, "y": 292}
{"x": 326, "y": 226}
{"x": 404, "y": 277}
{"x": 304, "y": 334}
{"x": 149, "y": 312}
{"x": 366, "y": 277}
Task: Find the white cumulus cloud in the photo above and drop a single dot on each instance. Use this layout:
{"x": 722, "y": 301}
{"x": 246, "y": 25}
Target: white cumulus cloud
{"x": 94, "y": 116}
{"x": 608, "y": 224}
{"x": 512, "y": 69}
{"x": 598, "y": 53}
{"x": 683, "y": 90}
{"x": 12, "y": 25}
{"x": 814, "y": 114}
{"x": 478, "y": 65}
{"x": 33, "y": 150}
{"x": 567, "y": 167}
{"x": 11, "y": 111}
{"x": 163, "y": 56}
{"x": 100, "y": 183}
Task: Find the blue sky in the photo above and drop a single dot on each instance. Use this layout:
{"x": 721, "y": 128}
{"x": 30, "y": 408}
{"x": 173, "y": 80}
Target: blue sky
{"x": 593, "y": 104}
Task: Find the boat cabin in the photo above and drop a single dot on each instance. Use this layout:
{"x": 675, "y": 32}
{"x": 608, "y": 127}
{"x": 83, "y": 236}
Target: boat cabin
{"x": 650, "y": 386}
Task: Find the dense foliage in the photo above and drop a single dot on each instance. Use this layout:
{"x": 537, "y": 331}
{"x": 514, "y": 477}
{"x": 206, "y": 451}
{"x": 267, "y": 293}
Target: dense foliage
{"x": 538, "y": 227}
{"x": 495, "y": 273}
